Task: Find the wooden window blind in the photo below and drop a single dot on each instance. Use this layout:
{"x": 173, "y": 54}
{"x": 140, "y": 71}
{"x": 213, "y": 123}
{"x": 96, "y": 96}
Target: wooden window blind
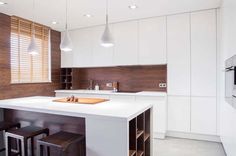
{"x": 26, "y": 68}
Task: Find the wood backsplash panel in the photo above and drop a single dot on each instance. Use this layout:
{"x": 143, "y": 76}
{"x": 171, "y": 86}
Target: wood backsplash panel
{"x": 8, "y": 90}
{"x": 130, "y": 78}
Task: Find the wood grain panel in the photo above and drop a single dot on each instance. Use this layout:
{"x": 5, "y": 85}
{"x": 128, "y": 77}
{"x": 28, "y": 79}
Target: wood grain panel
{"x": 8, "y": 90}
{"x": 130, "y": 78}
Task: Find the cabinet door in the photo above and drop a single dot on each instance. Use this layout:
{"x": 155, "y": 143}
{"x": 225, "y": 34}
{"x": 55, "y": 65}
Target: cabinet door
{"x": 159, "y": 113}
{"x": 122, "y": 98}
{"x": 126, "y": 43}
{"x": 178, "y": 39}
{"x": 179, "y": 113}
{"x": 203, "y": 115}
{"x": 203, "y": 53}
{"x": 82, "y": 47}
{"x": 152, "y": 41}
{"x": 102, "y": 56}
{"x": 66, "y": 59}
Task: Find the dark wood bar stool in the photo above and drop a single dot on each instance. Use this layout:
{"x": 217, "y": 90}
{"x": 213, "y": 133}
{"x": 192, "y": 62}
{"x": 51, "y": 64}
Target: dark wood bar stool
{"x": 5, "y": 126}
{"x": 62, "y": 141}
{"x": 23, "y": 135}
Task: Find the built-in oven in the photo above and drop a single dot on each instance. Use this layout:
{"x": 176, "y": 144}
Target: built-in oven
{"x": 230, "y": 79}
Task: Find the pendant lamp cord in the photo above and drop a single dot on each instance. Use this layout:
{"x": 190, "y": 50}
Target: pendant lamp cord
{"x": 33, "y": 27}
{"x": 106, "y": 12}
{"x": 66, "y": 14}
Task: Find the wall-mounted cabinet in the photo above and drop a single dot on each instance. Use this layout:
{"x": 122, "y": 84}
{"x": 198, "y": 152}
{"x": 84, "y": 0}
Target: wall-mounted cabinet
{"x": 82, "y": 47}
{"x": 101, "y": 56}
{"x": 152, "y": 41}
{"x": 126, "y": 43}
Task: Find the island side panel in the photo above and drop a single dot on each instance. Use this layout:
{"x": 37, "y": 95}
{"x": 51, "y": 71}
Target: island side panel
{"x": 55, "y": 123}
{"x": 107, "y": 137}
{"x": 1, "y": 133}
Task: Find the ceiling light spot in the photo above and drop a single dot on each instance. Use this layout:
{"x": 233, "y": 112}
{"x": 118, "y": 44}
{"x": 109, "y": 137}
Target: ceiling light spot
{"x": 88, "y": 15}
{"x": 133, "y": 7}
{"x": 54, "y": 22}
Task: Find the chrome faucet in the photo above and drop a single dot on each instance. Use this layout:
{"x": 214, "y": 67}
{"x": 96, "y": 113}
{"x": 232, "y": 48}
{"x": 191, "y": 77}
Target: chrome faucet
{"x": 90, "y": 85}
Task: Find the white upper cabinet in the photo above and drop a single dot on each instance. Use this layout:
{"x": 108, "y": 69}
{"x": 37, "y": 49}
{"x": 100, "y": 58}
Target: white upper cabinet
{"x": 178, "y": 54}
{"x": 126, "y": 43}
{"x": 102, "y": 56}
{"x": 66, "y": 59}
{"x": 82, "y": 47}
{"x": 203, "y": 53}
{"x": 152, "y": 41}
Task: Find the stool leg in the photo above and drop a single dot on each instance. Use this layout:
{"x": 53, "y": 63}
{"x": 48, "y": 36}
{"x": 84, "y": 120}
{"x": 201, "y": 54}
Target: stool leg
{"x": 48, "y": 148}
{"x": 48, "y": 151}
{"x": 39, "y": 149}
{"x": 8, "y": 145}
{"x": 24, "y": 147}
{"x": 32, "y": 146}
{"x": 20, "y": 149}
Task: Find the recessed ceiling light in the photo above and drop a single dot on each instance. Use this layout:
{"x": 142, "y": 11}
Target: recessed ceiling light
{"x": 54, "y": 22}
{"x": 2, "y": 3}
{"x": 88, "y": 15}
{"x": 133, "y": 6}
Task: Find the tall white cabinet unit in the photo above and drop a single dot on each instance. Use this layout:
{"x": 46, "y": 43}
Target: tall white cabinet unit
{"x": 203, "y": 72}
{"x": 192, "y": 57}
{"x": 178, "y": 39}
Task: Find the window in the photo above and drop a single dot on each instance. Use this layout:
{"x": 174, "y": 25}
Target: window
{"x": 26, "y": 68}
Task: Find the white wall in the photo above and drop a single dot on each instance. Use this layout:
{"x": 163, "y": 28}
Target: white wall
{"x": 227, "y": 49}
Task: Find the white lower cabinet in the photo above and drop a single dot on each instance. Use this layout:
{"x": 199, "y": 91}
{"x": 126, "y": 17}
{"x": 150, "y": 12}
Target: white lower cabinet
{"x": 179, "y": 113}
{"x": 159, "y": 114}
{"x": 204, "y": 115}
{"x": 196, "y": 115}
{"x": 122, "y": 98}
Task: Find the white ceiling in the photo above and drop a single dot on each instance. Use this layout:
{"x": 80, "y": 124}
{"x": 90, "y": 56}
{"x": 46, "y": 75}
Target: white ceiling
{"x": 47, "y": 11}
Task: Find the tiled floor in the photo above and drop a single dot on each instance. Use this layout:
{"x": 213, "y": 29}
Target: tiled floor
{"x": 185, "y": 147}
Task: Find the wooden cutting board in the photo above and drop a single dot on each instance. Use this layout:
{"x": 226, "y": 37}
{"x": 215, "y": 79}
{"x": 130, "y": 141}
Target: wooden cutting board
{"x": 83, "y": 101}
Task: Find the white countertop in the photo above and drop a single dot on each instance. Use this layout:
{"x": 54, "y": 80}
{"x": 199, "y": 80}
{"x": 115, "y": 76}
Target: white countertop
{"x": 109, "y": 109}
{"x": 109, "y": 92}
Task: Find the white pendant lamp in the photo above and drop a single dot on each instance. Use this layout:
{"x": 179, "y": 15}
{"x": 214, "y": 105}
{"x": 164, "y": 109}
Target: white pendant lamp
{"x": 66, "y": 44}
{"x": 32, "y": 48}
{"x": 107, "y": 38}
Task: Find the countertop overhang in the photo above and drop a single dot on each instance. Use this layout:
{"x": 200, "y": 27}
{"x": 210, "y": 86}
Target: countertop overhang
{"x": 107, "y": 110}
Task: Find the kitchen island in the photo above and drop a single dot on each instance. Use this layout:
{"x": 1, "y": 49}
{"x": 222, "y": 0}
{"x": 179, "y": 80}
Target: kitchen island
{"x": 111, "y": 128}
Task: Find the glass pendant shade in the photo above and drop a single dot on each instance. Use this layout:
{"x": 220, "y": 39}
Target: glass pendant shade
{"x": 32, "y": 48}
{"x": 107, "y": 38}
{"x": 66, "y": 44}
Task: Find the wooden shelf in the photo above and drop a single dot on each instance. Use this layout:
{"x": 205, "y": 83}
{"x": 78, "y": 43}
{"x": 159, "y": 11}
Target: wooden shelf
{"x": 140, "y": 153}
{"x": 139, "y": 133}
{"x": 146, "y": 136}
{"x": 132, "y": 152}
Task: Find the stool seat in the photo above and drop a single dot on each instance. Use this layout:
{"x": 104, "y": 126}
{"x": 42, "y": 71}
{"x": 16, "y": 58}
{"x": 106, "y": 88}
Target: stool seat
{"x": 4, "y": 126}
{"x": 28, "y": 132}
{"x": 61, "y": 139}
{"x": 23, "y": 135}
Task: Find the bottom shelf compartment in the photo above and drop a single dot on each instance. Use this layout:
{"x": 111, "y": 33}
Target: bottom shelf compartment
{"x": 132, "y": 152}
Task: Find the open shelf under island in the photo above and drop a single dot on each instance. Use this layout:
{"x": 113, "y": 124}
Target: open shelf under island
{"x": 111, "y": 128}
